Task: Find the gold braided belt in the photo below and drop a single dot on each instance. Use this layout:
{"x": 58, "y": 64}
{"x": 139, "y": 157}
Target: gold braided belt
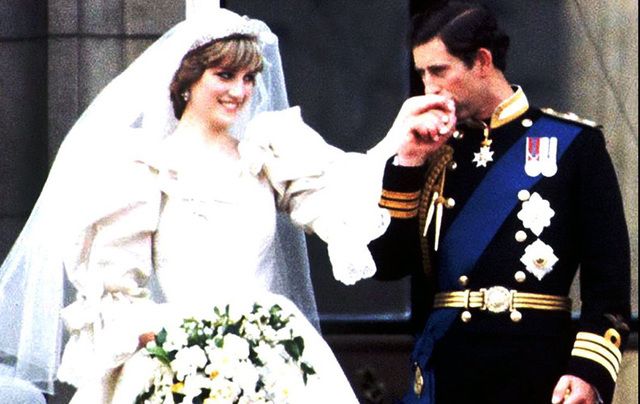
{"x": 498, "y": 299}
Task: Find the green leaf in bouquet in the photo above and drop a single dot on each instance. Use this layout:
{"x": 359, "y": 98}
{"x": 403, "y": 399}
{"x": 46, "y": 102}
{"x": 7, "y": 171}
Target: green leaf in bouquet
{"x": 143, "y": 397}
{"x": 159, "y": 353}
{"x": 254, "y": 358}
{"x": 234, "y": 328}
{"x": 275, "y": 309}
{"x": 161, "y": 337}
{"x": 307, "y": 370}
{"x": 177, "y": 397}
{"x": 294, "y": 347}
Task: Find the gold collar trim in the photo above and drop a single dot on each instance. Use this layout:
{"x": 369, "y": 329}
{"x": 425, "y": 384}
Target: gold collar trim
{"x": 510, "y": 109}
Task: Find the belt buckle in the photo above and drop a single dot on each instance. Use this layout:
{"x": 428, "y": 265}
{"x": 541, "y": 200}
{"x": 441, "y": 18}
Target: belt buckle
{"x": 496, "y": 299}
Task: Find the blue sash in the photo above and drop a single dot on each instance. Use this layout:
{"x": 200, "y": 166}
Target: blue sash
{"x": 474, "y": 228}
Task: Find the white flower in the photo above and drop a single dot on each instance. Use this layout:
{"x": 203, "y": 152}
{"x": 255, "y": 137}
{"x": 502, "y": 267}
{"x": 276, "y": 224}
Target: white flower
{"x": 251, "y": 331}
{"x": 285, "y": 384}
{"x": 536, "y": 214}
{"x": 177, "y": 338}
{"x": 193, "y": 385}
{"x": 188, "y": 360}
{"x": 277, "y": 335}
{"x": 539, "y": 259}
{"x": 237, "y": 348}
{"x": 246, "y": 375}
{"x": 223, "y": 391}
{"x": 258, "y": 397}
{"x": 235, "y": 352}
{"x": 271, "y": 356}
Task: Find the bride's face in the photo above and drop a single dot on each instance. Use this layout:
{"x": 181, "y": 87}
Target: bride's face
{"x": 220, "y": 94}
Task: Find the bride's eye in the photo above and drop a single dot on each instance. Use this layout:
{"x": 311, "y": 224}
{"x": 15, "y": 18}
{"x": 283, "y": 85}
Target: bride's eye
{"x": 250, "y": 78}
{"x": 225, "y": 75}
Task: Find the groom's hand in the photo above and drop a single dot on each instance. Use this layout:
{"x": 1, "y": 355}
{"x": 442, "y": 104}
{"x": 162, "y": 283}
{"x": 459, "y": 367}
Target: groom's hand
{"x": 426, "y": 122}
{"x": 574, "y": 390}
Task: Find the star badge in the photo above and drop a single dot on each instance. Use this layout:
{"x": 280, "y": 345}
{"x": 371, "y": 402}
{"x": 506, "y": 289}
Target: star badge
{"x": 483, "y": 157}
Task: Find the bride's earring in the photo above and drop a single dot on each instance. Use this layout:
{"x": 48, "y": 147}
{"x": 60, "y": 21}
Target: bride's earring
{"x": 185, "y": 95}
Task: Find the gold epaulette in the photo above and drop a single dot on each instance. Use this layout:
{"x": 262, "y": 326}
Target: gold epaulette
{"x": 570, "y": 116}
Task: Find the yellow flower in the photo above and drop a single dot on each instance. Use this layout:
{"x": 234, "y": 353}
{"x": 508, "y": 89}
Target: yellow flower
{"x": 214, "y": 374}
{"x": 177, "y": 387}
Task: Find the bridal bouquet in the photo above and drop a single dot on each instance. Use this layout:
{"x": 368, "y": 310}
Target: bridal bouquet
{"x": 246, "y": 356}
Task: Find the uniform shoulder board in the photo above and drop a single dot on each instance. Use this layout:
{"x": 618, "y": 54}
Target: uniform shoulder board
{"x": 570, "y": 116}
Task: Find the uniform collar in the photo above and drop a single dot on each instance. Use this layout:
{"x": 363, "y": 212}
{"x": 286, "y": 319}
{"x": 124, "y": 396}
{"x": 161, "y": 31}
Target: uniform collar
{"x": 509, "y": 109}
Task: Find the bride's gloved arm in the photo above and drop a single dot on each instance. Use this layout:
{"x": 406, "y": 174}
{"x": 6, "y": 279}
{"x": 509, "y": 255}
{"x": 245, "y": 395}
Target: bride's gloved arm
{"x": 109, "y": 264}
{"x": 325, "y": 190}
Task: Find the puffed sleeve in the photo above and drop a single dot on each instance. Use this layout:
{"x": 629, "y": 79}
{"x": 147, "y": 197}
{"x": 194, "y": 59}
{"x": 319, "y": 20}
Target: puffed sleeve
{"x": 604, "y": 270}
{"x": 109, "y": 264}
{"x": 325, "y": 190}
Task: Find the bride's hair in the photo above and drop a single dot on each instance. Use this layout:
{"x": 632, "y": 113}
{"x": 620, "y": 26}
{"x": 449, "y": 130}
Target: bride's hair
{"x": 233, "y": 52}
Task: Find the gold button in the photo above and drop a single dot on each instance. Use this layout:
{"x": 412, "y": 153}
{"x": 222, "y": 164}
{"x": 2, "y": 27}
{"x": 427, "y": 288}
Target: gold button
{"x": 520, "y": 276}
{"x": 418, "y": 380}
{"x": 527, "y": 123}
{"x": 453, "y": 165}
{"x": 451, "y": 203}
{"x": 613, "y": 336}
{"x": 515, "y": 316}
{"x": 465, "y": 316}
{"x": 521, "y": 236}
{"x": 458, "y": 135}
{"x": 463, "y": 280}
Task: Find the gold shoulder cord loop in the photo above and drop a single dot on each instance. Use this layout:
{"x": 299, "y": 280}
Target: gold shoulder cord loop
{"x": 432, "y": 190}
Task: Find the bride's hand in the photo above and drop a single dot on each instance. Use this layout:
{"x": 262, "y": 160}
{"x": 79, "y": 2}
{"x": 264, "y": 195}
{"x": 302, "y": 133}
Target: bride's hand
{"x": 426, "y": 122}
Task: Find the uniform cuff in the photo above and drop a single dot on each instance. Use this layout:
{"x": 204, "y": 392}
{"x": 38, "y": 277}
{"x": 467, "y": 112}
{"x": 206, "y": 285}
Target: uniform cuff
{"x": 401, "y": 190}
{"x": 596, "y": 360}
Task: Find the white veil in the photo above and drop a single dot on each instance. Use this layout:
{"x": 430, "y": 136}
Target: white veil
{"x": 134, "y": 104}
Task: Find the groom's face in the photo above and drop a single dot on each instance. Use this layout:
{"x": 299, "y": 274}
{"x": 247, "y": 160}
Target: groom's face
{"x": 444, "y": 74}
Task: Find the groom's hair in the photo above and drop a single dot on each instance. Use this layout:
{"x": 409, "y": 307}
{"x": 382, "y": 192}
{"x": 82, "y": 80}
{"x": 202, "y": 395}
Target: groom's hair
{"x": 464, "y": 27}
{"x": 233, "y": 53}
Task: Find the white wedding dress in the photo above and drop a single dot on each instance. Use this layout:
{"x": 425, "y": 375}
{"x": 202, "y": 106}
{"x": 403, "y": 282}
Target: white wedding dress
{"x": 147, "y": 226}
{"x": 204, "y": 225}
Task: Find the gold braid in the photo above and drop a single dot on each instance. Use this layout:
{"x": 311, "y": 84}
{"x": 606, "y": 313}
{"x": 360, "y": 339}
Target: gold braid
{"x": 434, "y": 179}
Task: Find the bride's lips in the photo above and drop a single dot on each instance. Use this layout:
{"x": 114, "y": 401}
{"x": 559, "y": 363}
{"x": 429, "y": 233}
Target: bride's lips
{"x": 230, "y": 106}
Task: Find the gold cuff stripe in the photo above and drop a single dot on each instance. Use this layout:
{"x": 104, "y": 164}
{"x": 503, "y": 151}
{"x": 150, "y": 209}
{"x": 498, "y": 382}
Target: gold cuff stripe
{"x": 401, "y": 214}
{"x": 391, "y": 204}
{"x": 597, "y": 349}
{"x": 597, "y": 339}
{"x": 596, "y": 358}
{"x": 402, "y": 196}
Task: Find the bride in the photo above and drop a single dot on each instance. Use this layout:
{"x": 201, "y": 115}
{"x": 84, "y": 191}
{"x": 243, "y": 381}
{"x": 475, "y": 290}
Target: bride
{"x": 174, "y": 191}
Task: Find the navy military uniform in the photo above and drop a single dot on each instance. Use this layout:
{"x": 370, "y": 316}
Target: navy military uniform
{"x": 511, "y": 224}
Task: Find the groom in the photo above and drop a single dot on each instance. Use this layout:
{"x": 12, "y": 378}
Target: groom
{"x": 497, "y": 217}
